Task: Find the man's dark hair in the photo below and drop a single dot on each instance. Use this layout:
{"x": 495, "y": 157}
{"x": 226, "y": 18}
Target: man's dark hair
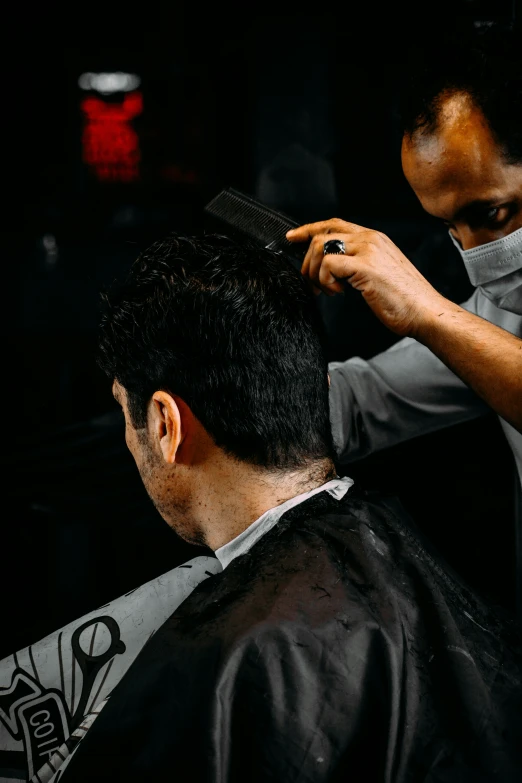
{"x": 233, "y": 330}
{"x": 484, "y": 62}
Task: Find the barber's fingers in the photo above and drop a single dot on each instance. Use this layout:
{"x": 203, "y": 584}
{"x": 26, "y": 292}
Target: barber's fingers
{"x": 347, "y": 232}
{"x": 334, "y": 272}
{"x": 315, "y": 253}
{"x": 315, "y": 256}
{"x": 328, "y": 281}
{"x": 307, "y": 231}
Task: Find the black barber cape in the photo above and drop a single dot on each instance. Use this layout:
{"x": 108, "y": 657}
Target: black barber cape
{"x": 339, "y": 648}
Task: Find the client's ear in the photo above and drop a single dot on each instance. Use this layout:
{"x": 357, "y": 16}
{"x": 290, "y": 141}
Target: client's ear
{"x": 166, "y": 424}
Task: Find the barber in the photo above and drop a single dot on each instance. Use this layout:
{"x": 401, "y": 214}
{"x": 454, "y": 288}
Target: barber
{"x": 462, "y": 156}
{"x": 485, "y": 356}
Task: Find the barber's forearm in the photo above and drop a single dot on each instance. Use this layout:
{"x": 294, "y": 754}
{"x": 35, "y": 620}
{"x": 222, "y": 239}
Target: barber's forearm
{"x": 484, "y": 356}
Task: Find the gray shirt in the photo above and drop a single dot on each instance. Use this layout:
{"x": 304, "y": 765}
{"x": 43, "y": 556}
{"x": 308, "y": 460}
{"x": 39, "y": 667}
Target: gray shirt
{"x": 407, "y": 391}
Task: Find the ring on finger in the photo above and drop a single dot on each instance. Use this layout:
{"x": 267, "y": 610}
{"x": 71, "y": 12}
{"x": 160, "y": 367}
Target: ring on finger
{"x": 334, "y": 247}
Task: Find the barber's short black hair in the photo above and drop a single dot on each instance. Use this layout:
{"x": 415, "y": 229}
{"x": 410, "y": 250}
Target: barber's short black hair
{"x": 233, "y": 330}
{"x": 483, "y": 61}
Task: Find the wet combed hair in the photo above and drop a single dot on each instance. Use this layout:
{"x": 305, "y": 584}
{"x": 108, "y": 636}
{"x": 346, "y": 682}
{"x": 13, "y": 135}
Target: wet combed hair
{"x": 484, "y": 62}
{"x": 233, "y": 330}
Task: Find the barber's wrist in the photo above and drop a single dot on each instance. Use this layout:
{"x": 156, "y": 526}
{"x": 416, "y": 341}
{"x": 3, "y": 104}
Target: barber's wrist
{"x": 432, "y": 317}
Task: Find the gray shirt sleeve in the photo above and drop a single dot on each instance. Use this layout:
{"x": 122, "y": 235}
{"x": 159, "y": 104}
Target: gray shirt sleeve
{"x": 399, "y": 394}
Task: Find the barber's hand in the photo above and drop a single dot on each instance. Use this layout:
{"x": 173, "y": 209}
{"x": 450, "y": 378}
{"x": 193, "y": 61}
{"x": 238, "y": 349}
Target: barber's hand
{"x": 392, "y": 286}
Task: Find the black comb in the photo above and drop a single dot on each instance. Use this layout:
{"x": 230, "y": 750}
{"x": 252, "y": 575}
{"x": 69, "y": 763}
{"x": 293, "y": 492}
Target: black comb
{"x": 231, "y": 209}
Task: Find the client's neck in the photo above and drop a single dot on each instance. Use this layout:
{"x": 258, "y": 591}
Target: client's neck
{"x": 231, "y": 495}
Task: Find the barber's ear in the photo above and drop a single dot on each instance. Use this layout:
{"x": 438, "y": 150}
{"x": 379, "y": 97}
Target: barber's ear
{"x": 329, "y": 379}
{"x": 166, "y": 424}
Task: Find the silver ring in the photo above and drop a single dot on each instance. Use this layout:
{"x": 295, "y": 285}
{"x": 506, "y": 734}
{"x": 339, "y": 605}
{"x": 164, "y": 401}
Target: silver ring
{"x": 334, "y": 246}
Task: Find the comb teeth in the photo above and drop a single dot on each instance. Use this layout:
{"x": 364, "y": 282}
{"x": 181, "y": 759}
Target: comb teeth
{"x": 265, "y": 225}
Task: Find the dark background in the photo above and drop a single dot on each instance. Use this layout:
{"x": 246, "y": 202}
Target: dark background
{"x": 295, "y": 107}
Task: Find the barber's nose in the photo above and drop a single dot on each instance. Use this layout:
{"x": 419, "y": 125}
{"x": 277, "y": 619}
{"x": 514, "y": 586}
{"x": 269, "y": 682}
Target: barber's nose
{"x": 466, "y": 238}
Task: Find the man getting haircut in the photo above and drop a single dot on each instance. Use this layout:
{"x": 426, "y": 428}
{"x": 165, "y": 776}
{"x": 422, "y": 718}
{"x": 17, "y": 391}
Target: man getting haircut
{"x": 333, "y": 643}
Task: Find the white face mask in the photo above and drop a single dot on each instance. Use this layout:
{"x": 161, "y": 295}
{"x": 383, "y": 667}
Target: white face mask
{"x": 496, "y": 268}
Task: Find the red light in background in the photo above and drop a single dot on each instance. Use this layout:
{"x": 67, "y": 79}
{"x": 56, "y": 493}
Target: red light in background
{"x": 110, "y": 143}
